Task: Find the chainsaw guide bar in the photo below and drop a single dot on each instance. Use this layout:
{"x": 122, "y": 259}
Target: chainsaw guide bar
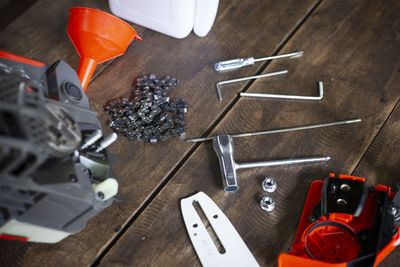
{"x": 236, "y": 252}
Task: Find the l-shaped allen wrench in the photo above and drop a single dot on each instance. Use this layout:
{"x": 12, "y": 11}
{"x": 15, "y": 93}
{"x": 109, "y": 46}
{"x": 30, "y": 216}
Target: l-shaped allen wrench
{"x": 295, "y": 97}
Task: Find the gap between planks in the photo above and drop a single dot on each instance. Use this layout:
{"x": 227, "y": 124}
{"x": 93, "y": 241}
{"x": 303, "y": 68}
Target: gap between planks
{"x": 376, "y": 135}
{"x": 106, "y": 248}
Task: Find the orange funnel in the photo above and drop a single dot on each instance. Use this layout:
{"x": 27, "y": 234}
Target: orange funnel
{"x": 98, "y": 37}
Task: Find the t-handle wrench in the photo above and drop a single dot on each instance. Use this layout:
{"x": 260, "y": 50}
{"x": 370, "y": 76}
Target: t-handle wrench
{"x": 223, "y": 147}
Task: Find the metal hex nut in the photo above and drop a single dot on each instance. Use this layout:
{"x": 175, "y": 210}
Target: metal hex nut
{"x": 267, "y": 203}
{"x": 269, "y": 184}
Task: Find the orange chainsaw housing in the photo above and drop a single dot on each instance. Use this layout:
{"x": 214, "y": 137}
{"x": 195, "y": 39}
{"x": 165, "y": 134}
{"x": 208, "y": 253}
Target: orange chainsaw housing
{"x": 20, "y": 59}
{"x": 333, "y": 240}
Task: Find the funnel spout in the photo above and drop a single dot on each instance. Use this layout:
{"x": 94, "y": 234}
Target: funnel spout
{"x": 86, "y": 70}
{"x": 98, "y": 37}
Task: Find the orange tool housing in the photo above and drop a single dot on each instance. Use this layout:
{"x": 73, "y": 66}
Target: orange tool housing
{"x": 336, "y": 239}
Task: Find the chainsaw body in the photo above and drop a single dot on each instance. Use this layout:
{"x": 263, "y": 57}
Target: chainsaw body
{"x": 49, "y": 186}
{"x": 345, "y": 223}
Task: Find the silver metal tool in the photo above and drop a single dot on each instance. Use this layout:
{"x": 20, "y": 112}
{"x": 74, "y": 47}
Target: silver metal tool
{"x": 235, "y": 253}
{"x": 91, "y": 139}
{"x": 267, "y": 203}
{"x": 241, "y": 62}
{"x": 269, "y": 185}
{"x": 295, "y": 97}
{"x": 223, "y": 147}
{"x": 218, "y": 84}
{"x": 107, "y": 141}
{"x": 284, "y": 130}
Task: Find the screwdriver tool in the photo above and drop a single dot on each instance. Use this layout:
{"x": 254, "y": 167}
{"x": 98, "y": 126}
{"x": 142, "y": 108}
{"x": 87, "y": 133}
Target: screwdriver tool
{"x": 218, "y": 84}
{"x": 241, "y": 62}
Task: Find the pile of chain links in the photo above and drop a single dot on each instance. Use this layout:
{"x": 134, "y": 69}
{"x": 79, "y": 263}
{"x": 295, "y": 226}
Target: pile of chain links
{"x": 149, "y": 116}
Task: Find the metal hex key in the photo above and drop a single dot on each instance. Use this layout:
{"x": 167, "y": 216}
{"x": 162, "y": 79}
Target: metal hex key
{"x": 218, "y": 84}
{"x": 296, "y": 97}
{"x": 283, "y": 130}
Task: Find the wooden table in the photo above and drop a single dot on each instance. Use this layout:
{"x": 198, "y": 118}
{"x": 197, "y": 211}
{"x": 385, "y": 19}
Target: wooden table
{"x": 353, "y": 46}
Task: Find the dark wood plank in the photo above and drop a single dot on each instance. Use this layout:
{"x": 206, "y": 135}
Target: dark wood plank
{"x": 10, "y": 10}
{"x": 242, "y": 28}
{"x": 350, "y": 45}
{"x": 380, "y": 164}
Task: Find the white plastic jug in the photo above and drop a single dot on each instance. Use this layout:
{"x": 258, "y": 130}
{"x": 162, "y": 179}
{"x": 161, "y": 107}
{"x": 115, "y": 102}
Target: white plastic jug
{"x": 176, "y": 18}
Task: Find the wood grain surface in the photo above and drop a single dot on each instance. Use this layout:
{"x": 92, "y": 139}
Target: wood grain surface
{"x": 242, "y": 28}
{"x": 353, "y": 47}
{"x": 380, "y": 164}
{"x": 10, "y": 10}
